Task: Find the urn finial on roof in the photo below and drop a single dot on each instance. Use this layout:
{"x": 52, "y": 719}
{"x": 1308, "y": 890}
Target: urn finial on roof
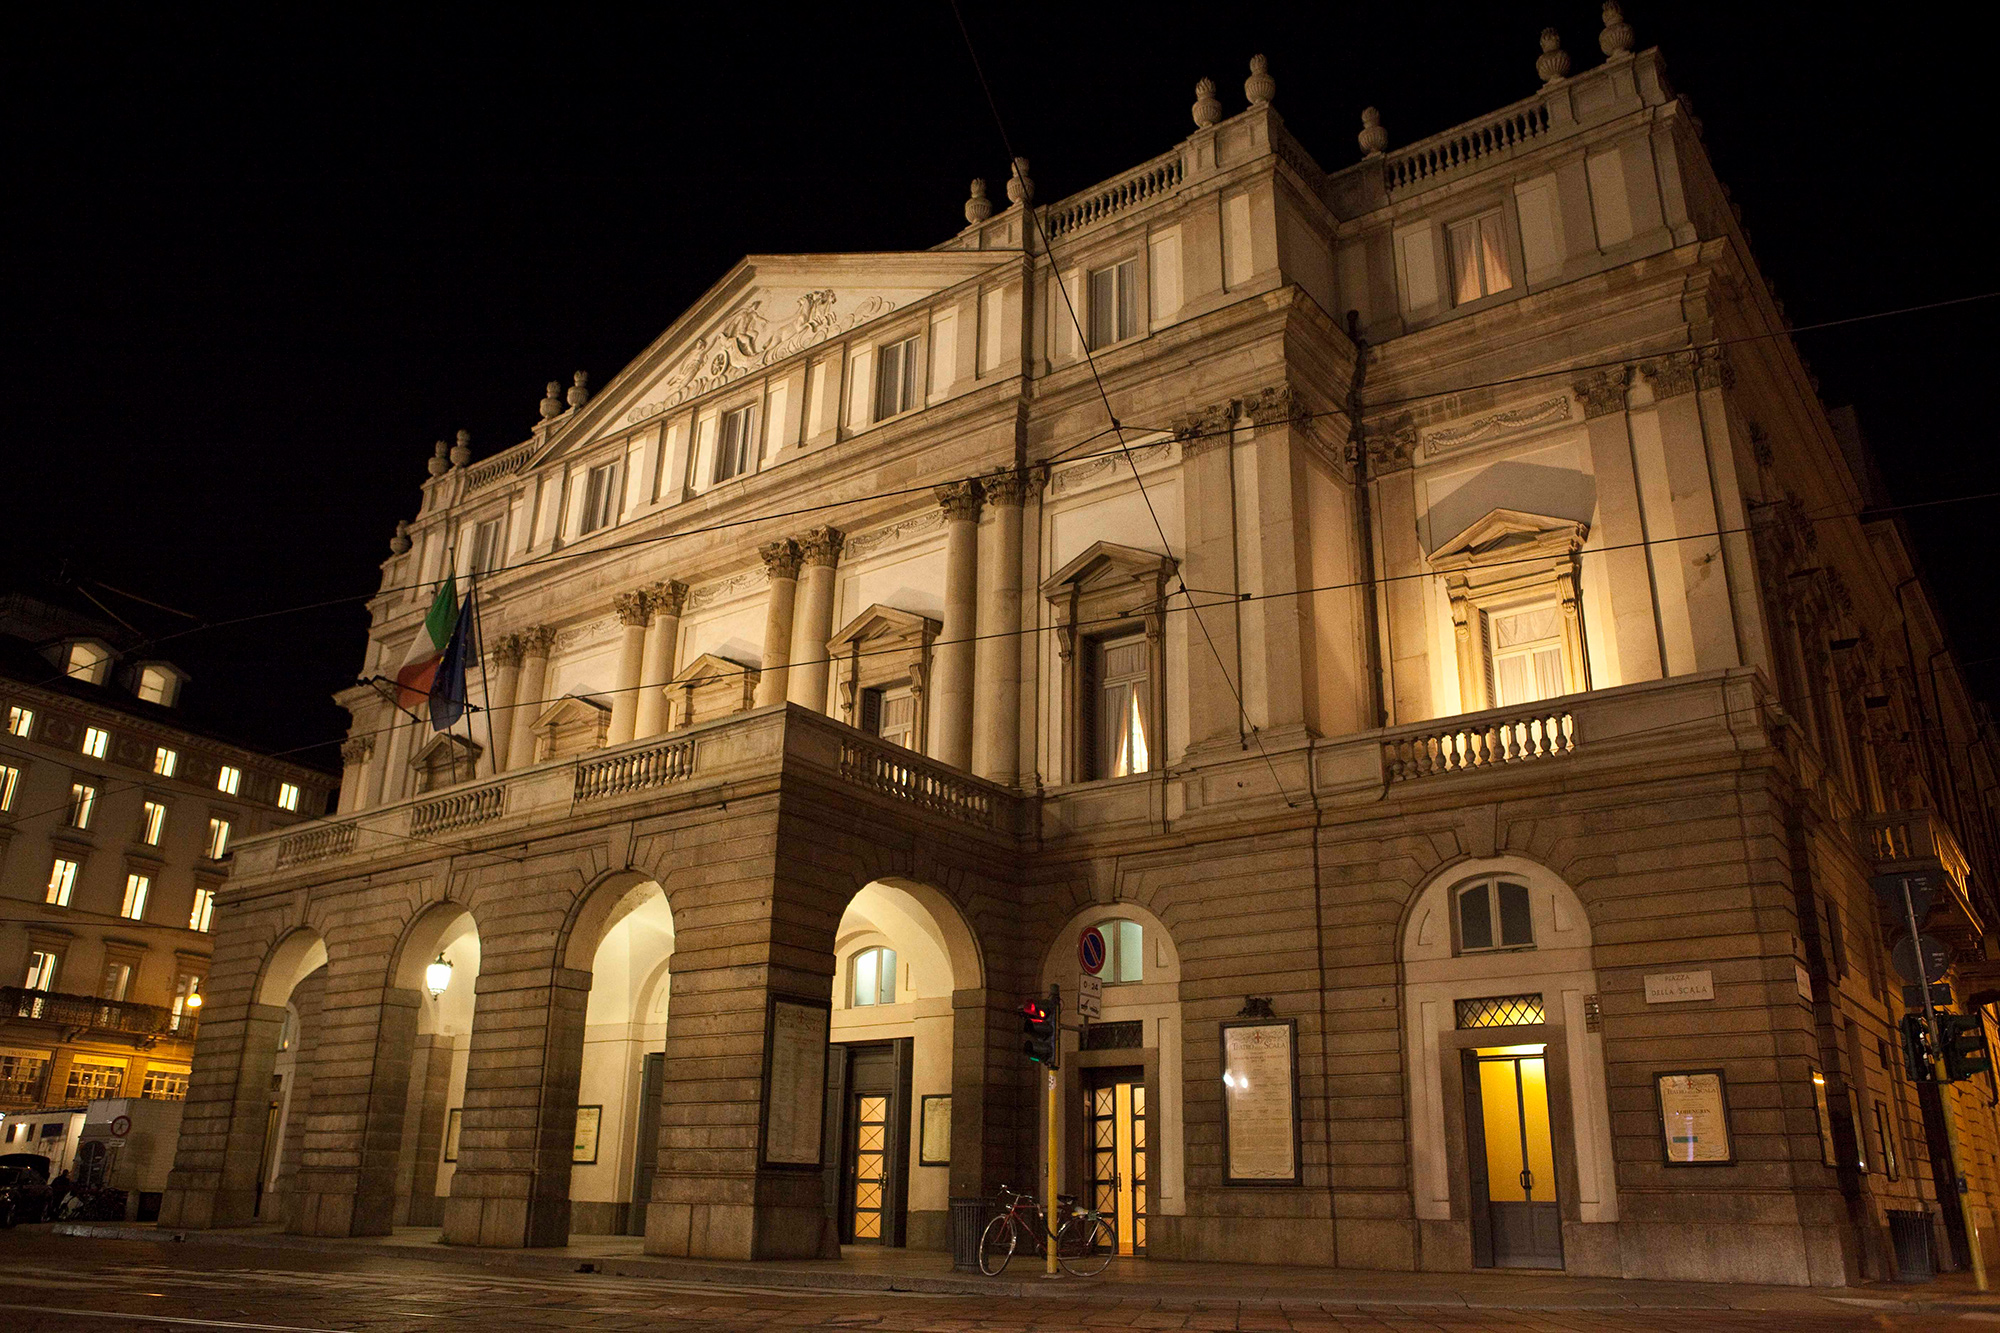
{"x": 1020, "y": 186}
{"x": 978, "y": 207}
{"x": 1207, "y": 106}
{"x": 440, "y": 459}
{"x": 552, "y": 403}
{"x": 1260, "y": 87}
{"x": 579, "y": 390}
{"x": 1373, "y": 138}
{"x": 461, "y": 452}
{"x": 400, "y": 542}
{"x": 1616, "y": 39}
{"x": 1553, "y": 63}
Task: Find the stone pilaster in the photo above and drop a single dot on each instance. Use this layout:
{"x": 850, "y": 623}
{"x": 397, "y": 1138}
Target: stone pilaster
{"x": 996, "y": 710}
{"x": 634, "y": 614}
{"x": 1633, "y": 635}
{"x": 952, "y": 658}
{"x": 813, "y": 624}
{"x": 781, "y": 564}
{"x": 504, "y": 661}
{"x": 665, "y": 600}
{"x": 355, "y": 752}
{"x": 536, "y": 644}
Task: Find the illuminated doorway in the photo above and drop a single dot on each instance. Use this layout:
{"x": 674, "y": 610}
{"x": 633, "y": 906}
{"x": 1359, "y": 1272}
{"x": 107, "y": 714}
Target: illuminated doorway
{"x": 1115, "y": 1129}
{"x": 1517, "y": 1216}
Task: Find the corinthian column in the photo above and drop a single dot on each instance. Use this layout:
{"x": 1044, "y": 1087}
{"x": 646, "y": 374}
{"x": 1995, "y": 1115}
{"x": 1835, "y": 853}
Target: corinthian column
{"x": 506, "y": 666}
{"x": 951, "y": 682}
{"x": 657, "y": 664}
{"x": 813, "y": 625}
{"x": 535, "y": 646}
{"x": 355, "y": 752}
{"x": 781, "y": 563}
{"x": 633, "y": 615}
{"x": 996, "y": 701}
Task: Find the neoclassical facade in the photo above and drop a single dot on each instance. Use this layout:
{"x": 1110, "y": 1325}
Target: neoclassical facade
{"x": 1466, "y": 690}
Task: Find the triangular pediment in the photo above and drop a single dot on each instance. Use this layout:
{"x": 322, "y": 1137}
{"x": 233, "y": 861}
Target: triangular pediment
{"x": 1501, "y": 529}
{"x": 765, "y": 311}
{"x": 570, "y": 710}
{"x": 708, "y": 667}
{"x": 1108, "y": 562}
{"x": 443, "y": 747}
{"x": 880, "y": 621}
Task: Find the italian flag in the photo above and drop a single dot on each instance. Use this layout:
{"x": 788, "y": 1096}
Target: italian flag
{"x": 420, "y": 665}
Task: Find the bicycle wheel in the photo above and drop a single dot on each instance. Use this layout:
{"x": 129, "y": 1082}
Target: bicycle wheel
{"x": 1085, "y": 1245}
{"x": 996, "y": 1247}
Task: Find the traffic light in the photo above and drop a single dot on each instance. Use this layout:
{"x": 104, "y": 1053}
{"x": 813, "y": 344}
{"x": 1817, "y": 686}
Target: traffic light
{"x": 1038, "y": 1033}
{"x": 1964, "y": 1039}
{"x": 1919, "y": 1060}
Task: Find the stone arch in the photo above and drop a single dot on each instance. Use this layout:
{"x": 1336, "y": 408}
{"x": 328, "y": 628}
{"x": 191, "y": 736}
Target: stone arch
{"x": 433, "y": 1035}
{"x": 601, "y": 906}
{"x": 296, "y": 955}
{"x": 1561, "y": 969}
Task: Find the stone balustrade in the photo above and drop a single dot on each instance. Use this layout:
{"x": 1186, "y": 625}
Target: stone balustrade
{"x": 457, "y": 810}
{"x": 1424, "y": 162}
{"x": 503, "y": 464}
{"x": 1161, "y": 176}
{"x": 1483, "y": 742}
{"x": 907, "y": 776}
{"x": 635, "y": 770}
{"x": 315, "y": 844}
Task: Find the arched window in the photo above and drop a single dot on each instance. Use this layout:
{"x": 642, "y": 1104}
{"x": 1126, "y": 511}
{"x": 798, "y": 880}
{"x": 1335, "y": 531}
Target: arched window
{"x": 1493, "y": 914}
{"x": 1124, "y": 952}
{"x": 872, "y": 978}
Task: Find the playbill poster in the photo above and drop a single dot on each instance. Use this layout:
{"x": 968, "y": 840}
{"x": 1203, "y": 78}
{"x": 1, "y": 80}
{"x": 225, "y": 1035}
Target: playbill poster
{"x": 1693, "y": 1118}
{"x": 797, "y": 1083}
{"x": 1258, "y": 1102}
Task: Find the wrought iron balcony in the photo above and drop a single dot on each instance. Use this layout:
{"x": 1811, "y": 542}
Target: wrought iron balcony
{"x": 94, "y": 1015}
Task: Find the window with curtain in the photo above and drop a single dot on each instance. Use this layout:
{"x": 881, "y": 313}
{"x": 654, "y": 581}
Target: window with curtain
{"x": 1494, "y": 914}
{"x": 1114, "y": 303}
{"x": 1118, "y": 697}
{"x": 486, "y": 546}
{"x": 1479, "y": 264}
{"x": 872, "y": 978}
{"x": 896, "y": 378}
{"x": 891, "y": 713}
{"x": 1525, "y": 649}
{"x": 732, "y": 444}
{"x": 600, "y": 497}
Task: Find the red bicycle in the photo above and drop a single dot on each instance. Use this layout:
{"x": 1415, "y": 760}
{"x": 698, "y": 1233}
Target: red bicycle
{"x": 1085, "y": 1240}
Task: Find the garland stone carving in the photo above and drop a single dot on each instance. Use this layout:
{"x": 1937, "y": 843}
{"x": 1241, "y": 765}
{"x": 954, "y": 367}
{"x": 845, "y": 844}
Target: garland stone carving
{"x": 745, "y": 341}
{"x": 1497, "y": 426}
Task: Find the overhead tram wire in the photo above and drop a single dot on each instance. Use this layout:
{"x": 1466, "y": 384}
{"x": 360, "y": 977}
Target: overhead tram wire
{"x": 1068, "y": 454}
{"x": 1245, "y": 730}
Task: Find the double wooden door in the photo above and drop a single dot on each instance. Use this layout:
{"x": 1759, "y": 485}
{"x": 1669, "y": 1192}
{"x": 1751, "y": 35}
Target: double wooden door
{"x": 1517, "y": 1213}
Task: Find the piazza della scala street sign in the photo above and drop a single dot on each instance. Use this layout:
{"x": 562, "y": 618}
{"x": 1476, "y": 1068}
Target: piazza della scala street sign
{"x": 1677, "y": 987}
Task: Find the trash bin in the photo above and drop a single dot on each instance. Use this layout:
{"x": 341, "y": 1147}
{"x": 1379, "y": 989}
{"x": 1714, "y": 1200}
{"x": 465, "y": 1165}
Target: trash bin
{"x": 968, "y": 1222}
{"x": 1910, "y": 1233}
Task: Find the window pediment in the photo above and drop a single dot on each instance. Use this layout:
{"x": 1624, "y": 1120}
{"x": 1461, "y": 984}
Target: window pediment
{"x": 569, "y": 726}
{"x": 1109, "y": 565}
{"x": 883, "y": 647}
{"x": 712, "y": 686}
{"x": 445, "y": 760}
{"x": 1510, "y": 533}
{"x": 879, "y": 622}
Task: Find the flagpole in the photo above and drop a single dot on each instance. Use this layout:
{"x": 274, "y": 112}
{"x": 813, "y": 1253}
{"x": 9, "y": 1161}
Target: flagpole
{"x": 485, "y": 669}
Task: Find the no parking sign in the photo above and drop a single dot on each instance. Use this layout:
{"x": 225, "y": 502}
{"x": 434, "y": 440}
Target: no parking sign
{"x": 1090, "y": 950}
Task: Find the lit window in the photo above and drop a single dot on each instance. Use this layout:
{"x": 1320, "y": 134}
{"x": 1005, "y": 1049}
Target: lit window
{"x": 204, "y": 908}
{"x": 1124, "y": 952}
{"x": 874, "y": 978}
{"x": 895, "y": 378}
{"x": 10, "y": 778}
{"x": 732, "y": 444}
{"x": 87, "y": 1082}
{"x": 600, "y": 497}
{"x": 82, "y": 800}
{"x": 117, "y": 980}
{"x": 165, "y": 761}
{"x": 152, "y": 822}
{"x": 1114, "y": 303}
{"x": 1117, "y": 687}
{"x": 228, "y": 779}
{"x": 288, "y": 796}
{"x": 486, "y": 549}
{"x": 1479, "y": 257}
{"x": 21, "y": 1076}
{"x": 41, "y": 970}
{"x": 20, "y": 721}
{"x": 96, "y": 741}
{"x": 156, "y": 685}
{"x": 218, "y": 839}
{"x": 1493, "y": 914}
{"x": 165, "y": 1085}
{"x": 188, "y": 985}
{"x": 87, "y": 662}
{"x": 137, "y": 889}
{"x": 62, "y": 882}
{"x": 1526, "y": 649}
{"x": 891, "y": 714}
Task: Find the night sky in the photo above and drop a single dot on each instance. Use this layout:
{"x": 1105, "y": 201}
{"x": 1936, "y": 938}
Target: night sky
{"x": 260, "y": 261}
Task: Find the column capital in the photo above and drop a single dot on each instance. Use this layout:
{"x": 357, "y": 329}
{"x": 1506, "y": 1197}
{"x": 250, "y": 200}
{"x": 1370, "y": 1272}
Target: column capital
{"x": 1009, "y": 486}
{"x": 1713, "y": 370}
{"x": 1602, "y": 392}
{"x": 1204, "y": 426}
{"x": 960, "y": 500}
{"x": 356, "y": 750}
{"x": 781, "y": 558}
{"x": 822, "y": 546}
{"x": 508, "y": 650}
{"x": 666, "y": 597}
{"x": 538, "y": 640}
{"x": 1670, "y": 376}
{"x": 632, "y": 609}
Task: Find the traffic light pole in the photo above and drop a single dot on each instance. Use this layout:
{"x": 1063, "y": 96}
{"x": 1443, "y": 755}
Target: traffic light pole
{"x": 1053, "y": 1094}
{"x": 1939, "y": 1075}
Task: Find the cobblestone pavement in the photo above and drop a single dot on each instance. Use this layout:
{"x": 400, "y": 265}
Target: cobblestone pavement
{"x": 63, "y": 1283}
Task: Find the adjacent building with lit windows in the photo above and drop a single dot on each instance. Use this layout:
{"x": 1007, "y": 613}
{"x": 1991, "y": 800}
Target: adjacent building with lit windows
{"x": 116, "y": 824}
{"x": 1468, "y": 694}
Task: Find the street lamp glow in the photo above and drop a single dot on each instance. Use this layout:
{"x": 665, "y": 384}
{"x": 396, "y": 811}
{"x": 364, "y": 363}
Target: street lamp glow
{"x": 194, "y": 1000}
{"x": 437, "y": 976}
